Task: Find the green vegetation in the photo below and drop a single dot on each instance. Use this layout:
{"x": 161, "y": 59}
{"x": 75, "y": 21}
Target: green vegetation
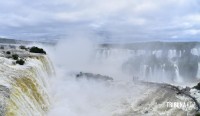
{"x": 20, "y": 62}
{"x": 197, "y": 114}
{"x": 37, "y": 50}
{"x": 197, "y": 86}
{"x": 22, "y": 47}
{"x": 15, "y": 56}
{"x": 8, "y": 52}
{"x": 2, "y": 47}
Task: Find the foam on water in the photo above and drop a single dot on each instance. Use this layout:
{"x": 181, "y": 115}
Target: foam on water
{"x": 118, "y": 98}
{"x": 26, "y": 86}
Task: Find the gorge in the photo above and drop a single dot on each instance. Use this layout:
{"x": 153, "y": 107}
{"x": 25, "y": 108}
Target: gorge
{"x": 85, "y": 79}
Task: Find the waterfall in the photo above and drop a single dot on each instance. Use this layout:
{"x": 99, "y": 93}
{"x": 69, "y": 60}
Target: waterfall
{"x": 26, "y": 86}
{"x": 122, "y": 96}
{"x": 153, "y": 65}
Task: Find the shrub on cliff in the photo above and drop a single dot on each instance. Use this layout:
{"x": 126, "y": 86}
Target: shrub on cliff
{"x": 8, "y": 52}
{"x": 15, "y": 56}
{"x": 197, "y": 114}
{"x": 22, "y": 47}
{"x": 2, "y": 47}
{"x": 20, "y": 62}
{"x": 37, "y": 50}
{"x": 197, "y": 86}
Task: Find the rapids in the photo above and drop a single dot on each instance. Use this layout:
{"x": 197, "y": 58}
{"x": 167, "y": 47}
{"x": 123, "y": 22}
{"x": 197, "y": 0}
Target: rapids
{"x": 47, "y": 85}
{"x": 125, "y": 95}
{"x": 24, "y": 89}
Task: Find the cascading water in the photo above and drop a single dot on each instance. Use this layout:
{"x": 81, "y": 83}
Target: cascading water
{"x": 156, "y": 65}
{"x": 25, "y": 90}
{"x": 128, "y": 94}
{"x": 27, "y": 86}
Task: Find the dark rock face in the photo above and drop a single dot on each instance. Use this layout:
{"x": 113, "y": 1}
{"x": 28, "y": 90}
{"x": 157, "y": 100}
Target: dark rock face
{"x": 152, "y": 63}
{"x": 188, "y": 65}
{"x": 93, "y": 76}
{"x": 172, "y": 59}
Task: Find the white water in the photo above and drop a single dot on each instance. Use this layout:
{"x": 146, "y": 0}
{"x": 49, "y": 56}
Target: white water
{"x": 35, "y": 92}
{"x": 27, "y": 86}
{"x": 92, "y": 98}
{"x": 88, "y": 98}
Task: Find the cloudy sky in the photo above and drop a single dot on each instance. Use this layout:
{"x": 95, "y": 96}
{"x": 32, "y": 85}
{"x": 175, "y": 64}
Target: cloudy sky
{"x": 106, "y": 20}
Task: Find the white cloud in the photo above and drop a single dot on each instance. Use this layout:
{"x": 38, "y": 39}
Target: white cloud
{"x": 192, "y": 31}
{"x": 123, "y": 19}
{"x": 194, "y": 18}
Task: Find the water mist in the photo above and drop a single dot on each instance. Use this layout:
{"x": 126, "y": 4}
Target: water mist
{"x": 96, "y": 98}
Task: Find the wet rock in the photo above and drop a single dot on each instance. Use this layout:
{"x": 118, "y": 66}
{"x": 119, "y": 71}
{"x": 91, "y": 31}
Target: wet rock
{"x": 185, "y": 90}
{"x": 188, "y": 66}
{"x": 93, "y": 76}
{"x": 4, "y": 95}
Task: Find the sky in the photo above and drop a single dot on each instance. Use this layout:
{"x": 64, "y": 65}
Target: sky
{"x": 103, "y": 20}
